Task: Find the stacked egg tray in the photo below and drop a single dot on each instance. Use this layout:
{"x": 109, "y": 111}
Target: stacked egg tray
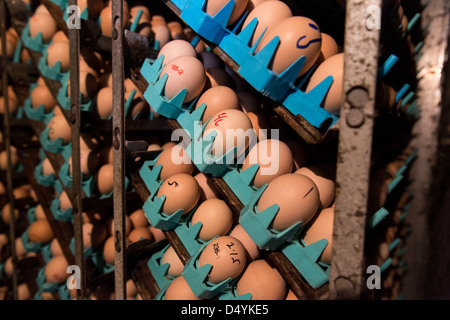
{"x": 304, "y": 258}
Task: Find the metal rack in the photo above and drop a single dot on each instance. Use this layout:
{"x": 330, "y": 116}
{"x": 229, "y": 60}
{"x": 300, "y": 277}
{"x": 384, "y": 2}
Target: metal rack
{"x": 355, "y": 153}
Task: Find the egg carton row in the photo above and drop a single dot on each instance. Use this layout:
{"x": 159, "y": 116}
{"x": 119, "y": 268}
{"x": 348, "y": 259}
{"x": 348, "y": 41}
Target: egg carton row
{"x": 253, "y": 67}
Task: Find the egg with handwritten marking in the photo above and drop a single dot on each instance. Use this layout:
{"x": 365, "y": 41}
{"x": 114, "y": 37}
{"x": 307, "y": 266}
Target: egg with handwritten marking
{"x": 181, "y": 191}
{"x": 226, "y": 255}
{"x": 185, "y": 72}
{"x": 174, "y": 159}
{"x": 297, "y": 203}
{"x": 299, "y": 36}
{"x": 218, "y": 99}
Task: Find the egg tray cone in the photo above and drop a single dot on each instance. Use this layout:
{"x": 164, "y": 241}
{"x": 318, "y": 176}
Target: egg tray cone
{"x": 58, "y": 213}
{"x": 64, "y": 99}
{"x": 56, "y": 146}
{"x": 87, "y": 182}
{"x": 36, "y": 43}
{"x": 38, "y": 114}
{"x": 30, "y": 246}
{"x": 54, "y": 72}
{"x": 47, "y": 181}
{"x": 158, "y": 269}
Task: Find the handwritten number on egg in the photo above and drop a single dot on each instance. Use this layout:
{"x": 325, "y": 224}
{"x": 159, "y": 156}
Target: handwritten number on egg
{"x": 216, "y": 248}
{"x": 177, "y": 69}
{"x": 171, "y": 183}
{"x": 308, "y": 192}
{"x": 219, "y": 118}
{"x": 313, "y": 26}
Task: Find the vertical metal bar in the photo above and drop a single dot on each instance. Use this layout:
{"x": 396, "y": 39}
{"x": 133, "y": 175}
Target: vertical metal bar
{"x": 435, "y": 18}
{"x": 118, "y": 121}
{"x": 75, "y": 117}
{"x": 7, "y": 140}
{"x": 354, "y": 151}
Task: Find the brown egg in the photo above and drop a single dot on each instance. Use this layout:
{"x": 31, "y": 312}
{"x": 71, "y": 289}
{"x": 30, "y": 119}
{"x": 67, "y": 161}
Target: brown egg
{"x": 329, "y": 46}
{"x": 6, "y": 213}
{"x": 333, "y": 66}
{"x": 59, "y": 128}
{"x": 168, "y": 145}
{"x": 274, "y": 159}
{"x": 130, "y": 288}
{"x": 234, "y": 130}
{"x": 60, "y": 36}
{"x": 145, "y": 12}
{"x": 20, "y": 193}
{"x": 8, "y": 267}
{"x": 154, "y": 147}
{"x": 322, "y": 228}
{"x": 64, "y": 201}
{"x": 291, "y": 295}
{"x": 182, "y": 192}
{"x": 218, "y": 99}
{"x": 128, "y": 225}
{"x": 138, "y": 218}
{"x": 176, "y": 30}
{"x": 157, "y": 233}
{"x": 161, "y": 33}
{"x": 323, "y": 180}
{"x": 40, "y": 231}
{"x": 269, "y": 14}
{"x": 263, "y": 281}
{"x": 88, "y": 86}
{"x": 56, "y": 270}
{"x": 216, "y": 218}
{"x": 299, "y": 36}
{"x": 4, "y": 158}
{"x": 174, "y": 160}
{"x": 55, "y": 248}
{"x": 20, "y": 248}
{"x": 213, "y": 7}
{"x": 47, "y": 168}
{"x": 226, "y": 255}
{"x": 139, "y": 233}
{"x": 24, "y": 56}
{"x": 23, "y": 292}
{"x": 253, "y": 252}
{"x": 176, "y": 266}
{"x": 59, "y": 51}
{"x": 105, "y": 179}
{"x": 184, "y": 72}
{"x": 179, "y": 289}
{"x": 297, "y": 203}
{"x": 12, "y": 106}
{"x": 89, "y": 162}
{"x": 39, "y": 212}
{"x": 109, "y": 251}
{"x": 206, "y": 191}
{"x": 106, "y": 19}
{"x": 41, "y": 95}
{"x": 43, "y": 23}
{"x": 3, "y": 240}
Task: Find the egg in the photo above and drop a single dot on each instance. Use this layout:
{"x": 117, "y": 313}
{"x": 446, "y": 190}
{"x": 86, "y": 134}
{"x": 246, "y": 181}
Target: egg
{"x": 47, "y": 168}
{"x": 104, "y": 102}
{"x": 56, "y": 270}
{"x": 6, "y": 213}
{"x": 88, "y": 86}
{"x": 89, "y": 162}
{"x": 55, "y": 248}
{"x": 323, "y": 180}
{"x": 138, "y": 218}
{"x": 253, "y": 252}
{"x": 158, "y": 19}
{"x": 322, "y": 228}
{"x": 161, "y": 33}
{"x": 260, "y": 124}
{"x": 176, "y": 266}
{"x": 146, "y": 16}
{"x": 299, "y": 202}
{"x": 215, "y": 216}
{"x": 249, "y": 102}
{"x": 176, "y": 48}
{"x": 109, "y": 250}
{"x": 299, "y": 36}
{"x": 329, "y": 46}
{"x": 42, "y": 23}
{"x": 60, "y": 36}
{"x": 274, "y": 159}
{"x": 217, "y": 99}
{"x": 176, "y": 30}
{"x": 139, "y": 233}
{"x": 3, "y": 240}
{"x": 4, "y": 158}
{"x": 179, "y": 289}
{"x": 64, "y": 201}
{"x": 8, "y": 267}
{"x": 262, "y": 281}
{"x": 105, "y": 178}
{"x": 226, "y": 255}
{"x": 131, "y": 289}
{"x": 39, "y": 212}
{"x": 333, "y": 66}
{"x": 157, "y": 233}
{"x": 20, "y": 193}
{"x": 174, "y": 159}
{"x": 20, "y": 248}
{"x": 106, "y": 19}
{"x": 40, "y": 231}
{"x": 58, "y": 127}
{"x": 269, "y": 14}
{"x": 184, "y": 72}
{"x": 41, "y": 95}
{"x": 206, "y": 191}
{"x": 181, "y": 191}
{"x": 233, "y": 130}
{"x": 214, "y": 6}
{"x": 23, "y": 292}
{"x": 291, "y": 295}
{"x": 59, "y": 51}
{"x": 12, "y": 105}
